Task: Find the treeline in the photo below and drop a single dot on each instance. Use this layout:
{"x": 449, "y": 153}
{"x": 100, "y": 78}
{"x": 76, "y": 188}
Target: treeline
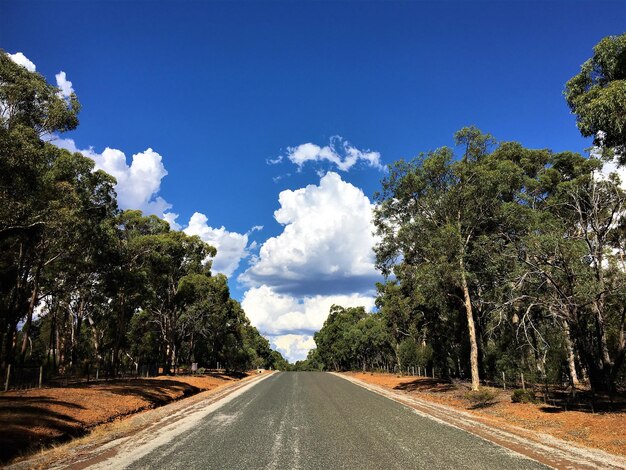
{"x": 82, "y": 283}
{"x": 502, "y": 259}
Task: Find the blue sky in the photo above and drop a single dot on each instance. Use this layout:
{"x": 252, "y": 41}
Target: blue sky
{"x": 217, "y": 89}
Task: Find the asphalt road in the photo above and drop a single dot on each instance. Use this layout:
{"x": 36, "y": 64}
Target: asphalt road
{"x": 310, "y": 420}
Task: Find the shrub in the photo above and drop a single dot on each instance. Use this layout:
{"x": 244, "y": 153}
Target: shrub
{"x": 480, "y": 398}
{"x": 523, "y": 396}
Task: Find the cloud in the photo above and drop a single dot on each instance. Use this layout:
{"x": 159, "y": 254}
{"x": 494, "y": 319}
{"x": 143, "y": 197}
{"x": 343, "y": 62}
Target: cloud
{"x": 278, "y": 314}
{"x": 22, "y": 60}
{"x": 614, "y": 168}
{"x": 326, "y": 244}
{"x": 170, "y": 218}
{"x": 290, "y": 321}
{"x": 64, "y": 84}
{"x": 137, "y": 184}
{"x": 293, "y": 347}
{"x": 322, "y": 257}
{"x": 339, "y": 152}
{"x": 231, "y": 246}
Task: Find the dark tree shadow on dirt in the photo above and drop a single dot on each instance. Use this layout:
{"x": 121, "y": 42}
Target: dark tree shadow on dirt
{"x": 423, "y": 384}
{"x": 27, "y": 424}
{"x": 156, "y": 392}
{"x": 563, "y": 399}
{"x": 21, "y": 424}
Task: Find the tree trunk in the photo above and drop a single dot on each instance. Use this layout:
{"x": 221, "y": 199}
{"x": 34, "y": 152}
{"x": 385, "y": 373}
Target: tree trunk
{"x": 96, "y": 341}
{"x": 397, "y": 351}
{"x": 470, "y": 327}
{"x": 571, "y": 361}
{"x": 77, "y": 335}
{"x": 620, "y": 354}
{"x": 31, "y": 309}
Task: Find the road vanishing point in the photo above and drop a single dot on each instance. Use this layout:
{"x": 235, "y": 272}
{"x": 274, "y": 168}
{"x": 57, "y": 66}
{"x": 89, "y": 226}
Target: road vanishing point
{"x": 313, "y": 420}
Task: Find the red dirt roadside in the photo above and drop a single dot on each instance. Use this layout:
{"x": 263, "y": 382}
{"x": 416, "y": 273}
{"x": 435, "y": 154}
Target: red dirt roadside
{"x": 33, "y": 418}
{"x": 606, "y": 431}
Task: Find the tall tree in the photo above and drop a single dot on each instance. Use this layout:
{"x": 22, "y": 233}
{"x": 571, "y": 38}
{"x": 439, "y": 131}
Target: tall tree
{"x": 45, "y": 194}
{"x": 597, "y": 96}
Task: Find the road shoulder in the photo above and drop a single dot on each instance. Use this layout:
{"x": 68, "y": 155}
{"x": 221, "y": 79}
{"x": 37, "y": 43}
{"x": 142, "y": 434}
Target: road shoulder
{"x": 541, "y": 447}
{"x": 126, "y": 437}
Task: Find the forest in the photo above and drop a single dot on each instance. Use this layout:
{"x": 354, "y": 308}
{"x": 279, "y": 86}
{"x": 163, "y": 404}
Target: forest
{"x": 499, "y": 260}
{"x": 84, "y": 285}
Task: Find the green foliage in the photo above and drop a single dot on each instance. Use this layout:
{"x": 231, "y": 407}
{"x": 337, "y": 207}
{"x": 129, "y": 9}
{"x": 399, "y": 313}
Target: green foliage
{"x": 523, "y": 396}
{"x": 30, "y": 103}
{"x": 413, "y": 355}
{"x": 350, "y": 339}
{"x": 597, "y": 95}
{"x": 534, "y": 261}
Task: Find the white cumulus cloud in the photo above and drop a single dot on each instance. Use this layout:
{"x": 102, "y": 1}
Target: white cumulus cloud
{"x": 231, "y": 246}
{"x": 614, "y": 168}
{"x": 21, "y": 59}
{"x": 65, "y": 86}
{"x": 339, "y": 152}
{"x": 293, "y": 347}
{"x": 278, "y": 314}
{"x": 290, "y": 321}
{"x": 326, "y": 245}
{"x": 138, "y": 183}
{"x": 170, "y": 218}
{"x": 322, "y": 257}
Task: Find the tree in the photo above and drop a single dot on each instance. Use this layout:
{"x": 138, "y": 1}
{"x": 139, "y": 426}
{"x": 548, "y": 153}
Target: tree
{"x": 33, "y": 198}
{"x": 107, "y": 286}
{"x": 426, "y": 217}
{"x": 573, "y": 265}
{"x": 334, "y": 345}
{"x": 172, "y": 257}
{"x": 597, "y": 95}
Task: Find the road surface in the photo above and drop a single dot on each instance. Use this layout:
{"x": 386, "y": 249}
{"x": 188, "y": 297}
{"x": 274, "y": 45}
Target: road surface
{"x": 310, "y": 420}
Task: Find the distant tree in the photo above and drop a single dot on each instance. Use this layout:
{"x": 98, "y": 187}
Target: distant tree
{"x": 278, "y": 362}
{"x": 335, "y": 340}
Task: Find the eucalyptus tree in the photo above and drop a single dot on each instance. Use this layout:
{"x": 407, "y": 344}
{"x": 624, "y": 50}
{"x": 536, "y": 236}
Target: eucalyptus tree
{"x": 73, "y": 253}
{"x": 597, "y": 95}
{"x": 575, "y": 252}
{"x": 334, "y": 340}
{"x": 48, "y": 197}
{"x": 436, "y": 211}
{"x": 107, "y": 284}
{"x": 170, "y": 257}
